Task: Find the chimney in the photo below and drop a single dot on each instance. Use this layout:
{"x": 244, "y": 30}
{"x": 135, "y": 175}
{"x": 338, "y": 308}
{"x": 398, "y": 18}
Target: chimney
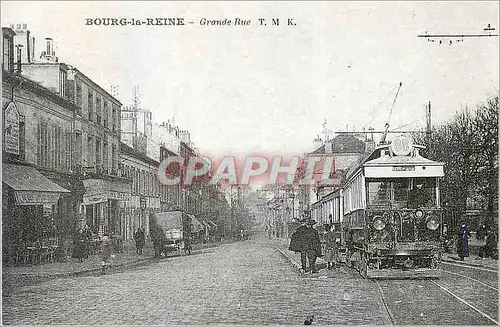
{"x": 50, "y": 46}
{"x": 49, "y": 53}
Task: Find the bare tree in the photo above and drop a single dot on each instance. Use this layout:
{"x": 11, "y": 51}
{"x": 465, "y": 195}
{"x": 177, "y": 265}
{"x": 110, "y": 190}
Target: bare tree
{"x": 468, "y": 145}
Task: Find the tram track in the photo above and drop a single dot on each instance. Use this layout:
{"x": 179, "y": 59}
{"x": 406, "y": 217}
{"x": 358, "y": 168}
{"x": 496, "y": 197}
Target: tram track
{"x": 473, "y": 279}
{"x": 416, "y": 302}
{"x": 470, "y": 305}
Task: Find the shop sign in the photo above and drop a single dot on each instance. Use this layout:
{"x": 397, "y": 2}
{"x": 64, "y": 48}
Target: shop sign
{"x": 11, "y": 129}
{"x": 35, "y": 198}
{"x": 119, "y": 196}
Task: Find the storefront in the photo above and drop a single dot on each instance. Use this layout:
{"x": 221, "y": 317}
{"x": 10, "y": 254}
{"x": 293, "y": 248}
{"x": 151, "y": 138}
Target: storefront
{"x": 29, "y": 208}
{"x": 103, "y": 204}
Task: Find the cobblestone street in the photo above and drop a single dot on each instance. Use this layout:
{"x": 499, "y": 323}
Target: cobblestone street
{"x": 240, "y": 283}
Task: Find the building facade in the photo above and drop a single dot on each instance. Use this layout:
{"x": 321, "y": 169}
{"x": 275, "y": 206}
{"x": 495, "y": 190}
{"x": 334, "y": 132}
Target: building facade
{"x": 91, "y": 143}
{"x": 39, "y": 191}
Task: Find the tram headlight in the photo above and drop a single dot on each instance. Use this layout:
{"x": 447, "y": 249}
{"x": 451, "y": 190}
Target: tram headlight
{"x": 419, "y": 213}
{"x": 378, "y": 223}
{"x": 432, "y": 223}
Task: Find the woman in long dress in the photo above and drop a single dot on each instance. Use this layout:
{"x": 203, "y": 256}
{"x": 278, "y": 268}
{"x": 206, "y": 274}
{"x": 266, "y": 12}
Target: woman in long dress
{"x": 463, "y": 239}
{"x": 331, "y": 249}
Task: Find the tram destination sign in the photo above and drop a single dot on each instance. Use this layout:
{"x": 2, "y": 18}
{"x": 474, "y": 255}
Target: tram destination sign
{"x": 403, "y": 168}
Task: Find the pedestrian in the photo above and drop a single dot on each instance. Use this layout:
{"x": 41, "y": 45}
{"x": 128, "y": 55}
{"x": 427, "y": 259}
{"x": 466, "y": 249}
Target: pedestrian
{"x": 306, "y": 241}
{"x": 106, "y": 251}
{"x": 88, "y": 240}
{"x": 463, "y": 241}
{"x": 79, "y": 251}
{"x": 331, "y": 249}
{"x": 481, "y": 232}
{"x": 157, "y": 240}
{"x": 491, "y": 244}
{"x": 140, "y": 240}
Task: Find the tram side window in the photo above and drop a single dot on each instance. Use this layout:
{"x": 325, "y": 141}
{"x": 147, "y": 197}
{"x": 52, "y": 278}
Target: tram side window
{"x": 378, "y": 192}
{"x": 423, "y": 192}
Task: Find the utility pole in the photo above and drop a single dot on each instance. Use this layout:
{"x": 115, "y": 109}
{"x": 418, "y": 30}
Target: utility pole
{"x": 428, "y": 120}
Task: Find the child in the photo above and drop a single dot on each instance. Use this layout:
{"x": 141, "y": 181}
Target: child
{"x": 106, "y": 249}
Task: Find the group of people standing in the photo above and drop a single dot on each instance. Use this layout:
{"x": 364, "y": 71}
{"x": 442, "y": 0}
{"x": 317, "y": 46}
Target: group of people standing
{"x": 307, "y": 241}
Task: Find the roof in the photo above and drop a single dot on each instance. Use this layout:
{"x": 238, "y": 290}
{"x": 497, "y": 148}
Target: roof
{"x": 8, "y": 32}
{"x": 30, "y": 85}
{"x": 321, "y": 149}
{"x": 127, "y": 150}
{"x": 26, "y": 178}
{"x": 345, "y": 143}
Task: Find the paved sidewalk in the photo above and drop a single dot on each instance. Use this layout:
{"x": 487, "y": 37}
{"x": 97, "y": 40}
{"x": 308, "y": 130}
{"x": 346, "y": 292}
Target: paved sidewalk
{"x": 28, "y": 274}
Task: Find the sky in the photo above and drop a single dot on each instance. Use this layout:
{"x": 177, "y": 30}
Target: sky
{"x": 268, "y": 89}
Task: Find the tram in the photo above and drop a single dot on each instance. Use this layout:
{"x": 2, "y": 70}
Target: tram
{"x": 387, "y": 213}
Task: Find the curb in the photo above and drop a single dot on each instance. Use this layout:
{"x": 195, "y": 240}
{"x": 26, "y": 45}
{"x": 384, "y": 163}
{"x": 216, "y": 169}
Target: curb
{"x": 29, "y": 279}
{"x": 32, "y": 279}
{"x": 294, "y": 263}
{"x": 458, "y": 262}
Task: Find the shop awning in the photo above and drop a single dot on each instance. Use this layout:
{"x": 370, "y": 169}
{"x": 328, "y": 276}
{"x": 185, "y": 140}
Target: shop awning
{"x": 30, "y": 186}
{"x": 100, "y": 190}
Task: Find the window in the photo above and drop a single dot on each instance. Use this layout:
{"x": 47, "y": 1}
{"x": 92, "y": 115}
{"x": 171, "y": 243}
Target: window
{"x": 62, "y": 83}
{"x": 98, "y": 153}
{"x": 68, "y": 150}
{"x": 90, "y": 103}
{"x": 78, "y": 149}
{"x": 113, "y": 121}
{"x": 105, "y": 114}
{"x": 98, "y": 108}
{"x": 8, "y": 54}
{"x": 90, "y": 154}
{"x": 43, "y": 152}
{"x": 113, "y": 159}
{"x": 105, "y": 156}
{"x": 378, "y": 192}
{"x": 423, "y": 192}
{"x": 79, "y": 94}
{"x": 57, "y": 147}
{"x": 401, "y": 193}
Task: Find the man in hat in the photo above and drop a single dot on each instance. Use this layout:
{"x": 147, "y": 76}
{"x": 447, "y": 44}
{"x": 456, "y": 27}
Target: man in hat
{"x": 306, "y": 241}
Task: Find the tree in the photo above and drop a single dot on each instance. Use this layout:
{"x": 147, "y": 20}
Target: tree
{"x": 468, "y": 145}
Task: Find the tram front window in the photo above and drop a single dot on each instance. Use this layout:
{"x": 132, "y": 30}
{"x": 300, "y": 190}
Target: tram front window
{"x": 423, "y": 193}
{"x": 401, "y": 188}
{"x": 379, "y": 192}
{"x": 402, "y": 193}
